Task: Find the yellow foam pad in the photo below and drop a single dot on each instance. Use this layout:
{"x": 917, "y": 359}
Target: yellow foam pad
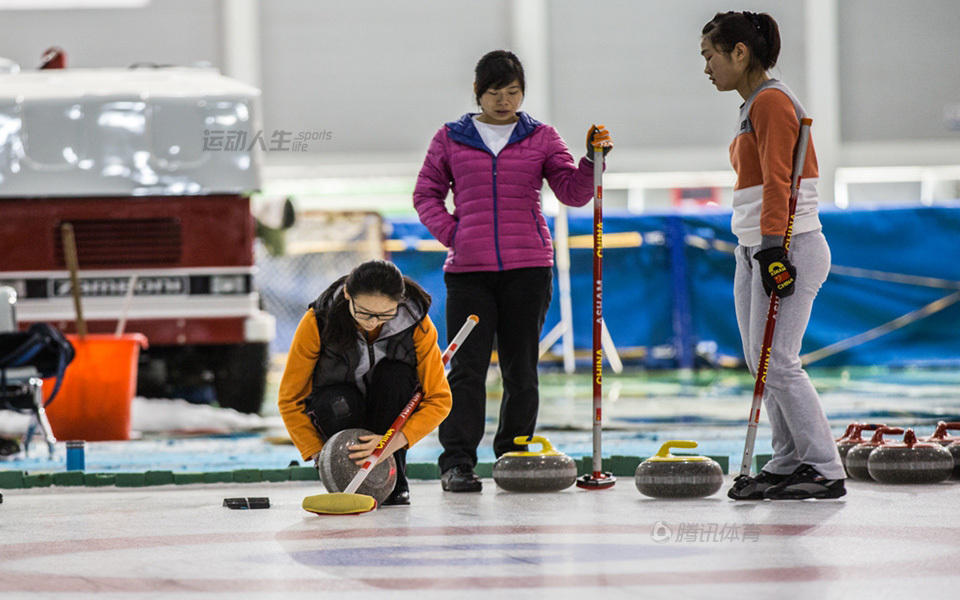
{"x": 339, "y": 504}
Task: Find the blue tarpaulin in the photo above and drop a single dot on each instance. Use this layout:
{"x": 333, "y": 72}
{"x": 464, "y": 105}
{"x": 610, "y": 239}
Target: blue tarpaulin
{"x": 669, "y": 301}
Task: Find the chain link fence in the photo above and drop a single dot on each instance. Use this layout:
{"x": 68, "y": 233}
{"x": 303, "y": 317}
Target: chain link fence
{"x": 318, "y": 249}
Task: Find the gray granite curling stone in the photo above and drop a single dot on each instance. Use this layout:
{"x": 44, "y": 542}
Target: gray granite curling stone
{"x": 545, "y": 471}
{"x": 852, "y": 438}
{"x": 669, "y": 476}
{"x": 951, "y": 442}
{"x": 910, "y": 462}
{"x": 856, "y": 461}
{"x": 337, "y": 470}
{"x": 954, "y": 450}
{"x": 940, "y": 435}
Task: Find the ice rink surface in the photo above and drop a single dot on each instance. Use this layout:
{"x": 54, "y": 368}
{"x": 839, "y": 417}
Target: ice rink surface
{"x": 180, "y": 542}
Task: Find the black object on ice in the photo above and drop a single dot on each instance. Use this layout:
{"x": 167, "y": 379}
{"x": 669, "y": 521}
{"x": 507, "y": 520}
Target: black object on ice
{"x": 259, "y": 502}
{"x": 245, "y": 503}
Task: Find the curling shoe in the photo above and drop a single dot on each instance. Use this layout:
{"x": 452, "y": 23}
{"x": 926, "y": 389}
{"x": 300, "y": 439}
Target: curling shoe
{"x": 400, "y": 496}
{"x": 806, "y": 482}
{"x": 460, "y": 478}
{"x": 753, "y": 488}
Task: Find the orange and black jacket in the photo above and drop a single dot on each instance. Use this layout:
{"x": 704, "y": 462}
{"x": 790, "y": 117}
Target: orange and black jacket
{"x": 410, "y": 337}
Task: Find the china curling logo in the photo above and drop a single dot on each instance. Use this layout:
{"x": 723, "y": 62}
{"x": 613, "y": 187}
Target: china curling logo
{"x": 764, "y": 366}
{"x": 780, "y": 274}
{"x": 383, "y": 440}
{"x": 598, "y": 360}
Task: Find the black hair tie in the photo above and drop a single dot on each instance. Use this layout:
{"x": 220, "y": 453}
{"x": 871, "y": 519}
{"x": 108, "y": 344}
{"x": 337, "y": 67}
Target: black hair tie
{"x": 754, "y": 18}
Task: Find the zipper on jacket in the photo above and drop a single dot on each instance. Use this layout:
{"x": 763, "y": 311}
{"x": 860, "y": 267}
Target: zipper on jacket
{"x": 536, "y": 224}
{"x": 496, "y": 217}
{"x": 370, "y": 353}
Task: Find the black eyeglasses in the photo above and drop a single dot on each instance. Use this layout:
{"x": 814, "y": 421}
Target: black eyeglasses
{"x": 364, "y": 315}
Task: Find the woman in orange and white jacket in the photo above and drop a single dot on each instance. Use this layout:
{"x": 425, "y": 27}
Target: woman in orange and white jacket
{"x": 739, "y": 49}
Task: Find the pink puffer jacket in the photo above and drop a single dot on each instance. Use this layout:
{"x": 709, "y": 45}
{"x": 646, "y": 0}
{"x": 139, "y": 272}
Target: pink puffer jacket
{"x": 496, "y": 222}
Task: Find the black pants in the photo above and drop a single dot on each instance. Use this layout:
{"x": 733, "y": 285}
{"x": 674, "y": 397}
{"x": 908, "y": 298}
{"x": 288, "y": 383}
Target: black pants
{"x": 343, "y": 406}
{"x": 512, "y": 306}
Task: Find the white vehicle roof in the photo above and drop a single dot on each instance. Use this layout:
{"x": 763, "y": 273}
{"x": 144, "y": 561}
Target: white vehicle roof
{"x": 167, "y": 82}
{"x": 90, "y": 132}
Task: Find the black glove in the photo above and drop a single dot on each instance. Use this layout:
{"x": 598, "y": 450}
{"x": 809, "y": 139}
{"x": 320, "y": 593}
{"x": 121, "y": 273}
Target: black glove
{"x": 600, "y": 134}
{"x": 776, "y": 272}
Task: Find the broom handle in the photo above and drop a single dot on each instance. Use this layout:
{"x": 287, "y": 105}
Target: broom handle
{"x": 799, "y": 158}
{"x": 597, "y": 310}
{"x": 125, "y": 309}
{"x": 70, "y": 257}
{"x": 411, "y": 406}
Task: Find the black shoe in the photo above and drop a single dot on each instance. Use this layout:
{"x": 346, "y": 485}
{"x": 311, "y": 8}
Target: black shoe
{"x": 400, "y": 496}
{"x": 753, "y": 488}
{"x": 460, "y": 478}
{"x": 805, "y": 482}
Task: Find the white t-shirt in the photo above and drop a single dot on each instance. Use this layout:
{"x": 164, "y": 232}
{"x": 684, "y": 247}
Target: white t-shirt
{"x": 494, "y": 136}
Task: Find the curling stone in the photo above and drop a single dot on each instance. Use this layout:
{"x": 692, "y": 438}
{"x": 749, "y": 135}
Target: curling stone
{"x": 951, "y": 442}
{"x": 852, "y": 438}
{"x": 856, "y": 462}
{"x": 337, "y": 469}
{"x": 940, "y": 435}
{"x": 849, "y": 439}
{"x": 910, "y": 462}
{"x": 669, "y": 476}
{"x": 543, "y": 471}
{"x": 954, "y": 450}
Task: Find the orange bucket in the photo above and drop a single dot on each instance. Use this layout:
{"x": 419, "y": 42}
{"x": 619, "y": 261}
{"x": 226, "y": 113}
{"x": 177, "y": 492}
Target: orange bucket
{"x": 94, "y": 402}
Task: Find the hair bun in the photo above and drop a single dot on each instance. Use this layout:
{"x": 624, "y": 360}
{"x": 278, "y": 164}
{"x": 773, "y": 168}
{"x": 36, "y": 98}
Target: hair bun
{"x": 758, "y": 31}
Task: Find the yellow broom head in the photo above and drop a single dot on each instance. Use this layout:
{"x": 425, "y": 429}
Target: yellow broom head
{"x": 339, "y": 504}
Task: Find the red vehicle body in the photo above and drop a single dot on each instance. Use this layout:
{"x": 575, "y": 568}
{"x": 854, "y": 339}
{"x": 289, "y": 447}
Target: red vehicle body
{"x": 183, "y": 229}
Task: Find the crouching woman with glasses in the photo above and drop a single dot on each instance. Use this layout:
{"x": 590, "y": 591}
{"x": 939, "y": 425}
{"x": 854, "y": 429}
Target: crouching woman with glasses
{"x": 357, "y": 357}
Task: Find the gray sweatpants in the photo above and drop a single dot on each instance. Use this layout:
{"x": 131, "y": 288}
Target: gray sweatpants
{"x": 801, "y": 433}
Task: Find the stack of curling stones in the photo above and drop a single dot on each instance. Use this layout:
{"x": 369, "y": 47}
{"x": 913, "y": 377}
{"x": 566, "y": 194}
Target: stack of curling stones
{"x": 667, "y": 476}
{"x": 545, "y": 471}
{"x": 337, "y": 469}
{"x": 856, "y": 461}
{"x": 852, "y": 437}
{"x": 910, "y": 462}
{"x": 952, "y": 443}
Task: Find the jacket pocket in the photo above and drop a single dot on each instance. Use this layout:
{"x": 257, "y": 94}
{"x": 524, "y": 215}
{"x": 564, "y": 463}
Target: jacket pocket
{"x": 452, "y": 247}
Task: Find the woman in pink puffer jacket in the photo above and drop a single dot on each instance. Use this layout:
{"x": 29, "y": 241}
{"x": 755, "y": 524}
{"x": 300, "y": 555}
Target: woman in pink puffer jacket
{"x": 500, "y": 256}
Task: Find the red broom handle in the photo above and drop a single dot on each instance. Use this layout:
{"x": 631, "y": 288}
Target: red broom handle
{"x": 800, "y": 155}
{"x": 411, "y": 406}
